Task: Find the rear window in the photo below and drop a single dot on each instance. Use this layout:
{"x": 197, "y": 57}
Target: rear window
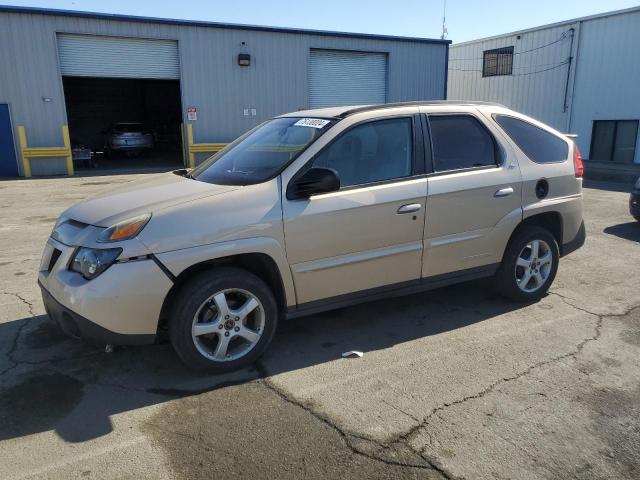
{"x": 536, "y": 143}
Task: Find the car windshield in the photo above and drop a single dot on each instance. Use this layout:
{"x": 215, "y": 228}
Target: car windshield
{"x": 261, "y": 153}
{"x": 128, "y": 128}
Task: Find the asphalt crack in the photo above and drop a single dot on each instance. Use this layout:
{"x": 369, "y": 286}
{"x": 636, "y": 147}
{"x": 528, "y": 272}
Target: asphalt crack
{"x": 359, "y": 445}
{"x": 14, "y": 344}
{"x": 409, "y": 434}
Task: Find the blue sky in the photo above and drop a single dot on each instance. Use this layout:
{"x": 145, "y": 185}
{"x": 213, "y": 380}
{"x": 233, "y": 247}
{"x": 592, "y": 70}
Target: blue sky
{"x": 466, "y": 19}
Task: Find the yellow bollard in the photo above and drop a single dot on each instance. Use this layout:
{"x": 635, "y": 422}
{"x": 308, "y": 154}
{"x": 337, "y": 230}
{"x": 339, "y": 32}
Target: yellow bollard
{"x": 22, "y": 141}
{"x": 192, "y": 156}
{"x": 67, "y": 145}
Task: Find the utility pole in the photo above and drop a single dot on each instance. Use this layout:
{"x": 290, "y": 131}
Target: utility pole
{"x": 444, "y": 16}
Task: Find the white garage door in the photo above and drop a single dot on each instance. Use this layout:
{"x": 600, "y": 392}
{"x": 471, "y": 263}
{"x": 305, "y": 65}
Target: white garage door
{"x": 346, "y": 78}
{"x": 117, "y": 57}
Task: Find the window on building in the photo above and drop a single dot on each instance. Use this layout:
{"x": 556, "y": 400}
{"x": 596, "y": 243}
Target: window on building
{"x": 371, "y": 152}
{"x": 614, "y": 140}
{"x": 460, "y": 141}
{"x": 536, "y": 143}
{"x": 498, "y": 61}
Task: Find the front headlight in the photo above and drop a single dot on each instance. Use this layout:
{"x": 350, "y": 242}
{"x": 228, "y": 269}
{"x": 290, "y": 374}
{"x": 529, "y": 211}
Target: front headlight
{"x": 125, "y": 230}
{"x": 91, "y": 262}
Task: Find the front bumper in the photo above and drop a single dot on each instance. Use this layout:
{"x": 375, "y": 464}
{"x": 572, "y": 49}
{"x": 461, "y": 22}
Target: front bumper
{"x": 77, "y": 326}
{"x": 634, "y": 204}
{"x": 121, "y": 306}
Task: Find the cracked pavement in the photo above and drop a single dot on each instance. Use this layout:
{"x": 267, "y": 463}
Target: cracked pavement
{"x": 454, "y": 383}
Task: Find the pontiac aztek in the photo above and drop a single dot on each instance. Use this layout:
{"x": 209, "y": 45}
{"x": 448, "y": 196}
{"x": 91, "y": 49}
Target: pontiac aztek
{"x": 315, "y": 210}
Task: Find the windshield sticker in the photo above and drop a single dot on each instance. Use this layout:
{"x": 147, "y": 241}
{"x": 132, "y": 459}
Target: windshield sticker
{"x": 311, "y": 122}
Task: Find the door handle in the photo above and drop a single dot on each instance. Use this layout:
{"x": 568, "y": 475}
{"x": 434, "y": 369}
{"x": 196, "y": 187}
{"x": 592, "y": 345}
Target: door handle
{"x": 504, "y": 192}
{"x": 409, "y": 208}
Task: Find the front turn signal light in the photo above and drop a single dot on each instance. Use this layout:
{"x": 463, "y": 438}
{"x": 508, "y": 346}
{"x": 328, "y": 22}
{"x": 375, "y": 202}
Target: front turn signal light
{"x": 125, "y": 230}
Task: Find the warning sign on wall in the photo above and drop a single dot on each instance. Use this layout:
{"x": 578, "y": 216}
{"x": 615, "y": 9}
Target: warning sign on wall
{"x": 192, "y": 114}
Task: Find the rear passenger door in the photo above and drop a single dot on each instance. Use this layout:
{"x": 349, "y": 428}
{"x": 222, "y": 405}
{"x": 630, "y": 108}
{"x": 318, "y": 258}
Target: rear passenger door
{"x": 474, "y": 199}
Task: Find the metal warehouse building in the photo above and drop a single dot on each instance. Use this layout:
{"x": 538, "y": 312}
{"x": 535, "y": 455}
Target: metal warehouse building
{"x": 67, "y": 76}
{"x": 581, "y": 76}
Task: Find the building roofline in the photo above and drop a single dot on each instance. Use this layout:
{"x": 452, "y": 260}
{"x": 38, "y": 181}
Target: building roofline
{"x": 552, "y": 25}
{"x": 198, "y": 23}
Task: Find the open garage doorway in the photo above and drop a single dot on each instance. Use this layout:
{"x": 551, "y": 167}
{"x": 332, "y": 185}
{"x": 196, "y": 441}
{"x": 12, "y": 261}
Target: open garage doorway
{"x": 123, "y": 123}
{"x": 123, "y": 101}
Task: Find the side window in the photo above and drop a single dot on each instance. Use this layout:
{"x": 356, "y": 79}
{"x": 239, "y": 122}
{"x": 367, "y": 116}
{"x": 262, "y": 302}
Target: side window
{"x": 460, "y": 141}
{"x": 371, "y": 152}
{"x": 536, "y": 143}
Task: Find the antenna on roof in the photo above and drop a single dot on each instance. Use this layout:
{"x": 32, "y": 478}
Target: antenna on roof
{"x": 444, "y": 17}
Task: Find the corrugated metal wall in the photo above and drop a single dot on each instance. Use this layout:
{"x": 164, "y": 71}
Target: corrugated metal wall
{"x": 211, "y": 80}
{"x": 607, "y": 75}
{"x": 606, "y": 67}
{"x": 537, "y": 84}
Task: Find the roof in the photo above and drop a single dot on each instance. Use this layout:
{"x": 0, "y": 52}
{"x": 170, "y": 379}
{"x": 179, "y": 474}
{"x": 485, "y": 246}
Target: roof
{"x": 198, "y": 23}
{"x": 345, "y": 111}
{"x": 552, "y": 25}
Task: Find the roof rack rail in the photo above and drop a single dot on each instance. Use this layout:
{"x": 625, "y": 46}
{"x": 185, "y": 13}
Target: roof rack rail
{"x": 379, "y": 106}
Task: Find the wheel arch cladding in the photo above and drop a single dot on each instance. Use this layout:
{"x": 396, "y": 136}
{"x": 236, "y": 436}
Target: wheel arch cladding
{"x": 259, "y": 264}
{"x": 551, "y": 221}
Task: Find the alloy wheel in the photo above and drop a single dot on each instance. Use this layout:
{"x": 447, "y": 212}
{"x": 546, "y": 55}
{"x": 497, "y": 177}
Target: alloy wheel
{"x": 533, "y": 266}
{"x": 228, "y": 325}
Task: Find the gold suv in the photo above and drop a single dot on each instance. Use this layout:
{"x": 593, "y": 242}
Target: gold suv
{"x": 315, "y": 210}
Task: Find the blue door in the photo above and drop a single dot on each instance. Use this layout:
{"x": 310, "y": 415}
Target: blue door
{"x": 8, "y": 164}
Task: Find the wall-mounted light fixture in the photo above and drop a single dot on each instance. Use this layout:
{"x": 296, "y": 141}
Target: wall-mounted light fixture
{"x": 244, "y": 59}
{"x": 46, "y": 99}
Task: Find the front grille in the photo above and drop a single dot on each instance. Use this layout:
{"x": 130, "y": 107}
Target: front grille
{"x": 55, "y": 255}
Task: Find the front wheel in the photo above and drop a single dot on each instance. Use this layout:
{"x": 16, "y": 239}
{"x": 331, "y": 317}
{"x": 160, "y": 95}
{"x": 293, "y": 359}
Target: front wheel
{"x": 529, "y": 265}
{"x": 223, "y": 320}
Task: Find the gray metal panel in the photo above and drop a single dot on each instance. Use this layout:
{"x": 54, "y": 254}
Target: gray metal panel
{"x": 607, "y": 76}
{"x": 603, "y": 81}
{"x": 210, "y": 78}
{"x": 536, "y": 87}
{"x": 117, "y": 57}
{"x": 346, "y": 78}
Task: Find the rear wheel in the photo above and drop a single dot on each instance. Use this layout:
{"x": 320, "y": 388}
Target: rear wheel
{"x": 223, "y": 320}
{"x": 529, "y": 265}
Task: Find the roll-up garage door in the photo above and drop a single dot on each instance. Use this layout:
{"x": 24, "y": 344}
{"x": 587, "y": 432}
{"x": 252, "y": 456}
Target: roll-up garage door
{"x": 117, "y": 57}
{"x": 339, "y": 77}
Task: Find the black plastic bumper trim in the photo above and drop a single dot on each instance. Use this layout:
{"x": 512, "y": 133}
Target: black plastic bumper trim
{"x": 634, "y": 204}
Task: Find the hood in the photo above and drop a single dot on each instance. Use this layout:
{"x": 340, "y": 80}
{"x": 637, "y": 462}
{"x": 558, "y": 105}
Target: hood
{"x": 140, "y": 197}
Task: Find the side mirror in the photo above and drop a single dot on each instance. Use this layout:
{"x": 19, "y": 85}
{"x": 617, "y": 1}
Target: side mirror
{"x": 314, "y": 181}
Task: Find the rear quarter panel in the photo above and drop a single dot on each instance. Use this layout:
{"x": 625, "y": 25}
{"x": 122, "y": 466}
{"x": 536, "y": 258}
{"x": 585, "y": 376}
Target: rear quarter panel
{"x": 565, "y": 190}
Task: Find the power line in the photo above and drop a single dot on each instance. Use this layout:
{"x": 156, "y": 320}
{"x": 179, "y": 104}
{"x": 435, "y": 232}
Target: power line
{"x": 515, "y": 74}
{"x": 561, "y": 39}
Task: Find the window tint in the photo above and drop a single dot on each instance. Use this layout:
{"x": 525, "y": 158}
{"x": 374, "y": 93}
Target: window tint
{"x": 614, "y": 140}
{"x": 460, "y": 141}
{"x": 371, "y": 152}
{"x": 498, "y": 61}
{"x": 537, "y": 144}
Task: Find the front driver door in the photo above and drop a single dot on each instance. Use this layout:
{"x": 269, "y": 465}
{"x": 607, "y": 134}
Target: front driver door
{"x": 369, "y": 233}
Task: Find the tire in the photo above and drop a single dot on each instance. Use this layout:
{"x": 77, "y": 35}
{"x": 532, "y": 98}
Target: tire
{"x": 539, "y": 275}
{"x": 199, "y": 346}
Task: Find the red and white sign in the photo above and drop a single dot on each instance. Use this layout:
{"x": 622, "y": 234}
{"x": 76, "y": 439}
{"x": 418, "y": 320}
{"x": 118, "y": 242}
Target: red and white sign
{"x": 192, "y": 114}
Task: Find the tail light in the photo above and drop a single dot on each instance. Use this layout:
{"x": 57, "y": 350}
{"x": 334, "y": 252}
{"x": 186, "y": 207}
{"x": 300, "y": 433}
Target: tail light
{"x": 577, "y": 162}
